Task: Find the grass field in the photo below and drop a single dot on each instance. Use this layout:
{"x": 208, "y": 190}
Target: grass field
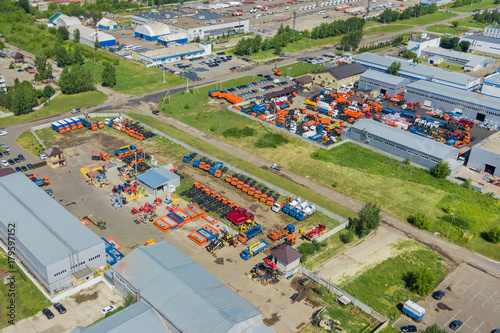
{"x": 446, "y": 29}
{"x": 451, "y": 67}
{"x": 373, "y": 27}
{"x": 333, "y": 247}
{"x": 484, "y": 4}
{"x": 60, "y": 104}
{"x": 383, "y": 286}
{"x": 470, "y": 23}
{"x": 29, "y": 142}
{"x": 135, "y": 79}
{"x": 300, "y": 68}
{"x": 28, "y": 299}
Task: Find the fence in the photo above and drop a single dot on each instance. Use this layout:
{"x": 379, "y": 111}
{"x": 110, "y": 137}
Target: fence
{"x": 332, "y": 232}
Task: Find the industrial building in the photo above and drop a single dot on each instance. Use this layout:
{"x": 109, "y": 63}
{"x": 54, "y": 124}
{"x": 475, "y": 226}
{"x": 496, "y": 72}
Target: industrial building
{"x": 482, "y": 43}
{"x": 173, "y": 39}
{"x": 472, "y": 105}
{"x": 382, "y": 82}
{"x": 55, "y": 247}
{"x": 66, "y": 21}
{"x": 107, "y": 24}
{"x": 175, "y": 294}
{"x": 468, "y": 61}
{"x": 416, "y": 72}
{"x": 340, "y": 76}
{"x": 424, "y": 41}
{"x": 419, "y": 150}
{"x": 194, "y": 23}
{"x": 89, "y": 36}
{"x": 485, "y": 156}
{"x": 151, "y": 31}
{"x": 174, "y": 54}
{"x": 491, "y": 85}
{"x": 159, "y": 179}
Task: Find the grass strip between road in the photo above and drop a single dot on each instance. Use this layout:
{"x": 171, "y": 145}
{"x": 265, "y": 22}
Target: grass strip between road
{"x": 28, "y": 141}
{"x": 246, "y": 166}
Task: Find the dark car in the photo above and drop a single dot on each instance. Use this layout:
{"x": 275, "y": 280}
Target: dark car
{"x": 156, "y": 112}
{"x": 409, "y": 328}
{"x": 30, "y": 166}
{"x": 439, "y": 294}
{"x": 48, "y": 313}
{"x": 24, "y": 168}
{"x": 1, "y": 154}
{"x": 6, "y": 153}
{"x": 17, "y": 160}
{"x": 60, "y": 308}
{"x": 456, "y": 324}
{"x": 18, "y": 169}
{"x": 11, "y": 161}
{"x": 21, "y": 157}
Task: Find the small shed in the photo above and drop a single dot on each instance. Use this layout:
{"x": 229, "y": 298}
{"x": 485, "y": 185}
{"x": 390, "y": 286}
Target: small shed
{"x": 287, "y": 259}
{"x": 107, "y": 24}
{"x": 159, "y": 179}
{"x": 304, "y": 83}
{"x": 4, "y": 276}
{"x": 18, "y": 57}
{"x": 55, "y": 157}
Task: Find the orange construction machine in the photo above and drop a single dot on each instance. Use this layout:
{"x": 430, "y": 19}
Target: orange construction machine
{"x": 98, "y": 156}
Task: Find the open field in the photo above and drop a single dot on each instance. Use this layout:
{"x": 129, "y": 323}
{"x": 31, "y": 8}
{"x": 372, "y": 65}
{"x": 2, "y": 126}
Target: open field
{"x": 484, "y": 4}
{"x": 29, "y": 142}
{"x": 300, "y": 68}
{"x": 28, "y": 299}
{"x": 470, "y": 23}
{"x": 373, "y": 27}
{"x": 447, "y": 29}
{"x": 333, "y": 247}
{"x": 60, "y": 104}
{"x": 383, "y": 286}
{"x": 132, "y": 78}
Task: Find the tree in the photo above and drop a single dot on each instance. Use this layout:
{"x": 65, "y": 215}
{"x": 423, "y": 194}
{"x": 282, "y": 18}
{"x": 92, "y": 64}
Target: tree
{"x": 441, "y": 170}
{"x": 76, "y": 35}
{"x": 420, "y": 281}
{"x": 108, "y": 75}
{"x": 43, "y": 69}
{"x": 464, "y": 46}
{"x": 347, "y": 237}
{"x": 24, "y": 4}
{"x": 394, "y": 68}
{"x": 351, "y": 40}
{"x": 409, "y": 55}
{"x": 66, "y": 82}
{"x": 467, "y": 183}
{"x": 435, "y": 329}
{"x": 129, "y": 300}
{"x": 368, "y": 219}
{"x": 23, "y": 98}
{"x": 48, "y": 91}
{"x": 78, "y": 80}
{"x": 420, "y": 220}
{"x": 277, "y": 50}
{"x": 62, "y": 34}
{"x": 61, "y": 55}
{"x": 492, "y": 235}
{"x": 78, "y": 56}
{"x": 455, "y": 24}
{"x": 197, "y": 40}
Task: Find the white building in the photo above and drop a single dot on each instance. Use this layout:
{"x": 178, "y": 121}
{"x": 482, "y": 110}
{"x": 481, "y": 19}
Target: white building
{"x": 468, "y": 61}
{"x": 67, "y": 21}
{"x": 382, "y": 82}
{"x": 418, "y": 44}
{"x": 492, "y": 31}
{"x": 89, "y": 36}
{"x": 482, "y": 43}
{"x": 174, "y": 54}
{"x": 491, "y": 85}
{"x": 287, "y": 259}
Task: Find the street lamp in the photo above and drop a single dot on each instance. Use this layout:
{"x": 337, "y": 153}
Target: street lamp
{"x": 451, "y": 222}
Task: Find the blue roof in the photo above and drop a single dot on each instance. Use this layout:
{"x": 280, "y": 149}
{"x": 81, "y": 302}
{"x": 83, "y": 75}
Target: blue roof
{"x": 157, "y": 177}
{"x": 177, "y": 287}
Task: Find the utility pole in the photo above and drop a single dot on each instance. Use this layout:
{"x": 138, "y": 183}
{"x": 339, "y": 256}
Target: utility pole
{"x": 451, "y": 222}
{"x": 294, "y": 18}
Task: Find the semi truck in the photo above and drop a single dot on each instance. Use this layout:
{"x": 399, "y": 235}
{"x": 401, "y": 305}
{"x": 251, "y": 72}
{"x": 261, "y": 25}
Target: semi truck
{"x": 287, "y": 207}
{"x": 293, "y": 212}
{"x": 253, "y": 250}
{"x": 250, "y": 233}
{"x": 239, "y": 216}
{"x": 97, "y": 222}
{"x": 413, "y": 310}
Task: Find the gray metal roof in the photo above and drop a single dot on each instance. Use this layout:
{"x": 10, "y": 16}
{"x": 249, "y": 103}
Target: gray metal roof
{"x": 481, "y": 38}
{"x": 406, "y": 139}
{"x": 344, "y": 71}
{"x": 466, "y": 97}
{"x": 384, "y": 77}
{"x": 177, "y": 287}
{"x": 157, "y": 177}
{"x": 409, "y": 69}
{"x": 43, "y": 226}
{"x": 420, "y": 39}
{"x": 472, "y": 60}
{"x": 138, "y": 317}
{"x": 493, "y": 78}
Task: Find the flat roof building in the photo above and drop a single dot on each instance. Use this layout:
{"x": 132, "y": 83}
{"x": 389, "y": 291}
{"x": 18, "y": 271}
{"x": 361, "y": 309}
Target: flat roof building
{"x": 419, "y": 150}
{"x": 382, "y": 82}
{"x": 468, "y": 61}
{"x": 416, "y": 72}
{"x": 51, "y": 243}
{"x": 174, "y": 54}
{"x": 485, "y": 155}
{"x": 491, "y": 85}
{"x": 482, "y": 43}
{"x": 416, "y": 45}
{"x": 472, "y": 105}
{"x": 159, "y": 179}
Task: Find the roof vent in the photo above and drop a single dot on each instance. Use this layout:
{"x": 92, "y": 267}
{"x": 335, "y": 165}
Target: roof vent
{"x": 424, "y": 36}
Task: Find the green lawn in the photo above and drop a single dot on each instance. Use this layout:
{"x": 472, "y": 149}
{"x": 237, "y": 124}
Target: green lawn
{"x": 28, "y": 141}
{"x": 470, "y": 23}
{"x": 333, "y": 247}
{"x": 373, "y": 27}
{"x": 451, "y": 67}
{"x": 132, "y": 78}
{"x": 484, "y": 4}
{"x": 383, "y": 286}
{"x": 300, "y": 68}
{"x": 28, "y": 299}
{"x": 60, "y": 104}
{"x": 446, "y": 29}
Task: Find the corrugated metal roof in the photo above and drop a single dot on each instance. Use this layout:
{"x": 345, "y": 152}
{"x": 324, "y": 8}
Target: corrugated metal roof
{"x": 106, "y": 22}
{"x": 157, "y": 177}
{"x": 406, "y": 139}
{"x": 43, "y": 226}
{"x": 279, "y": 93}
{"x": 344, "y": 71}
{"x": 481, "y": 38}
{"x": 384, "y": 77}
{"x": 173, "y": 37}
{"x": 178, "y": 287}
{"x": 138, "y": 317}
{"x": 468, "y": 97}
{"x": 89, "y": 33}
{"x": 68, "y": 21}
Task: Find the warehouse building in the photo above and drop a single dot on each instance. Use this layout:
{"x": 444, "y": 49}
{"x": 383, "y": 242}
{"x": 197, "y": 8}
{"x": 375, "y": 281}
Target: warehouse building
{"x": 472, "y": 105}
{"x": 151, "y": 31}
{"x": 172, "y": 39}
{"x": 88, "y": 36}
{"x": 468, "y": 61}
{"x": 491, "y": 85}
{"x": 416, "y": 72}
{"x": 382, "y": 82}
{"x": 482, "y": 43}
{"x": 340, "y": 76}
{"x": 174, "y": 54}
{"x": 66, "y": 21}
{"x": 107, "y": 24}
{"x": 55, "y": 247}
{"x": 422, "y": 151}
{"x": 175, "y": 294}
{"x": 485, "y": 156}
{"x": 159, "y": 179}
{"x": 424, "y": 41}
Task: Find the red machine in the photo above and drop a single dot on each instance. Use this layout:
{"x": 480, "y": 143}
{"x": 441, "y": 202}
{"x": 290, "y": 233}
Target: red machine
{"x": 316, "y": 231}
{"x": 269, "y": 263}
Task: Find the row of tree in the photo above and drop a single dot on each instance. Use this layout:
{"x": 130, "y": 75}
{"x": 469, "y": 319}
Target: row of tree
{"x": 460, "y": 3}
{"x": 394, "y": 42}
{"x": 284, "y": 36}
{"x": 76, "y": 80}
{"x": 487, "y": 17}
{"x": 418, "y": 10}
{"x": 337, "y": 28}
{"x": 454, "y": 43}
{"x": 22, "y": 97}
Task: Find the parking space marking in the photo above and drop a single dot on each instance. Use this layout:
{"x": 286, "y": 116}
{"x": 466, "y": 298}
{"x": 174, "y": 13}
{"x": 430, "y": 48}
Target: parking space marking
{"x": 459, "y": 281}
{"x": 465, "y": 324}
{"x": 468, "y": 287}
{"x": 449, "y": 277}
{"x": 479, "y": 326}
{"x": 490, "y": 297}
{"x": 452, "y": 318}
{"x": 478, "y": 293}
{"x": 496, "y": 307}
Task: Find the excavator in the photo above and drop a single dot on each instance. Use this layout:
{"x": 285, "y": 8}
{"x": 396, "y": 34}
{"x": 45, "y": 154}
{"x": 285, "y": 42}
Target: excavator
{"x": 292, "y": 238}
{"x": 99, "y": 156}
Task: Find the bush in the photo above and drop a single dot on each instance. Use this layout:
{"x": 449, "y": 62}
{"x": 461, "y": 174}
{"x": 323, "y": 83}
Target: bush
{"x": 466, "y": 183}
{"x": 213, "y": 128}
{"x": 458, "y": 221}
{"x": 271, "y": 141}
{"x": 420, "y": 220}
{"x": 420, "y": 281}
{"x": 235, "y": 132}
{"x": 441, "y": 170}
{"x": 492, "y": 235}
{"x": 347, "y": 237}
{"x": 368, "y": 219}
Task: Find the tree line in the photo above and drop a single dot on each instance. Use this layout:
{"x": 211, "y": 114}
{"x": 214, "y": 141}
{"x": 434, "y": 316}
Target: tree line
{"x": 418, "y": 10}
{"x": 22, "y": 97}
{"x": 252, "y": 45}
{"x": 455, "y": 44}
{"x": 487, "y": 17}
{"x": 398, "y": 40}
{"x": 460, "y": 3}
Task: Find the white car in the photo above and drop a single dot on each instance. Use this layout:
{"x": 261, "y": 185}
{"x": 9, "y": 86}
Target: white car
{"x": 42, "y": 156}
{"x": 2, "y": 133}
{"x": 4, "y": 163}
{"x": 108, "y": 309}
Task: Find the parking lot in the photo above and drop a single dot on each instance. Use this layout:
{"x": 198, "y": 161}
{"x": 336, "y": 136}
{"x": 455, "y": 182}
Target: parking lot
{"x": 472, "y": 297}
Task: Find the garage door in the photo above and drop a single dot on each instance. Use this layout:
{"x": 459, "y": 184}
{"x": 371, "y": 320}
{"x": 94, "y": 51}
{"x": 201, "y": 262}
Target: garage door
{"x": 427, "y": 103}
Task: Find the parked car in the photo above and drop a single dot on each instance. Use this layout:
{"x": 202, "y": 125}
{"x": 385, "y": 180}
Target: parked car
{"x": 30, "y": 166}
{"x": 156, "y": 112}
{"x": 2, "y": 133}
{"x": 21, "y": 157}
{"x": 60, "y": 308}
{"x": 454, "y": 325}
{"x": 42, "y": 156}
{"x": 75, "y": 110}
{"x": 11, "y": 161}
{"x": 108, "y": 309}
{"x": 24, "y": 168}
{"x": 4, "y": 163}
{"x": 409, "y": 328}
{"x": 18, "y": 169}
{"x": 17, "y": 160}
{"x": 439, "y": 294}
{"x": 48, "y": 313}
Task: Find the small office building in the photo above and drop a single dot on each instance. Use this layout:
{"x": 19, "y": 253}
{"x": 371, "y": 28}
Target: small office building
{"x": 287, "y": 259}
{"x": 424, "y": 41}
{"x": 491, "y": 85}
{"x": 482, "y": 43}
{"x": 159, "y": 180}
{"x": 419, "y": 150}
{"x": 382, "y": 82}
{"x": 468, "y": 61}
{"x": 107, "y": 24}
{"x": 340, "y": 76}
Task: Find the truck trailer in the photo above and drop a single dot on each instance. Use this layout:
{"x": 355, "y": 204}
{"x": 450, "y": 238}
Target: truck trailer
{"x": 413, "y": 310}
{"x": 253, "y": 250}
